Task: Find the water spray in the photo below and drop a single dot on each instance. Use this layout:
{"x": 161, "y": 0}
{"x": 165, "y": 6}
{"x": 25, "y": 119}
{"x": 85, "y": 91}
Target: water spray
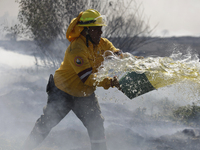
{"x": 139, "y": 76}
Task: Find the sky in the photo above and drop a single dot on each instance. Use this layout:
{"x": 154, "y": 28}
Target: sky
{"x": 9, "y": 6}
{"x": 171, "y": 17}
{"x": 178, "y": 17}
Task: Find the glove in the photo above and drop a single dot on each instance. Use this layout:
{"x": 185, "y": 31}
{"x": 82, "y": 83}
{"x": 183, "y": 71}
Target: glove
{"x": 139, "y": 57}
{"x": 115, "y": 83}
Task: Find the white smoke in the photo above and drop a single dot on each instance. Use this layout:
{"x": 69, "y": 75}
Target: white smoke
{"x": 127, "y": 122}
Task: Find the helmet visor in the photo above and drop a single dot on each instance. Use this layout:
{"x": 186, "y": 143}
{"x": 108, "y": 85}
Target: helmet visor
{"x": 101, "y": 20}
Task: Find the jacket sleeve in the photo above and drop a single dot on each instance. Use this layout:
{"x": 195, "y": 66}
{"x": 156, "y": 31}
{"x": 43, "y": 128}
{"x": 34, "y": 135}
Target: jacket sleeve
{"x": 109, "y": 46}
{"x": 81, "y": 65}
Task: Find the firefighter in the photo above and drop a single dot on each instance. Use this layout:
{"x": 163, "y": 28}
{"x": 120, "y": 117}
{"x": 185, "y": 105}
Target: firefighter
{"x": 73, "y": 84}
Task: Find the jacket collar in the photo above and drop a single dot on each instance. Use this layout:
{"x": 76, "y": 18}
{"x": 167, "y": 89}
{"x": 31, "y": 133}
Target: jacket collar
{"x": 90, "y": 43}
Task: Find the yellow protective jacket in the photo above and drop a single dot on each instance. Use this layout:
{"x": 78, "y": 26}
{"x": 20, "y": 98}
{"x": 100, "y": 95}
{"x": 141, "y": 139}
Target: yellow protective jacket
{"x": 76, "y": 73}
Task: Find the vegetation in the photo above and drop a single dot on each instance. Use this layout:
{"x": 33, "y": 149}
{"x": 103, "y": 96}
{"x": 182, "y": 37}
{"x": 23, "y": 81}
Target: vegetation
{"x": 189, "y": 115}
{"x": 46, "y": 23}
{"x": 167, "y": 110}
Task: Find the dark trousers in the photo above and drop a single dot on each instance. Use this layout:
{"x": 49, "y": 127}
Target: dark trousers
{"x": 58, "y": 106}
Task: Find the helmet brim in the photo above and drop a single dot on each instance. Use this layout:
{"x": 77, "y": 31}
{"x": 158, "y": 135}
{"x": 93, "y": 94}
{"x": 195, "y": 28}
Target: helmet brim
{"x": 99, "y": 21}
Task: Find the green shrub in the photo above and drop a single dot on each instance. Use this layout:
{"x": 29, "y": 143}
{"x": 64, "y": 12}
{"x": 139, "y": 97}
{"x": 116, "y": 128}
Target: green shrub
{"x": 189, "y": 115}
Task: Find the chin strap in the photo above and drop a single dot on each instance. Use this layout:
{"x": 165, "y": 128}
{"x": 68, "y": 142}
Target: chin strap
{"x": 88, "y": 37}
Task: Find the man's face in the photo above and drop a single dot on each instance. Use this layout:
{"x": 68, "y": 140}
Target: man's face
{"x": 95, "y": 34}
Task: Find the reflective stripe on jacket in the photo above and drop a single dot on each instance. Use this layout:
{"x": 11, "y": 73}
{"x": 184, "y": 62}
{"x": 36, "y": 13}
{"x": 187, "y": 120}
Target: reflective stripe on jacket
{"x": 76, "y": 73}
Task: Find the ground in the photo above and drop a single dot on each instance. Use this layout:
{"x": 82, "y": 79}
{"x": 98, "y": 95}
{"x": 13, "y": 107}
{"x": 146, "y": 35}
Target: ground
{"x": 138, "y": 124}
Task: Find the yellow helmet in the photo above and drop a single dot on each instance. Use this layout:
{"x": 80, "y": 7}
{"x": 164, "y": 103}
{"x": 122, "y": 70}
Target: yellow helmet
{"x": 91, "y": 17}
